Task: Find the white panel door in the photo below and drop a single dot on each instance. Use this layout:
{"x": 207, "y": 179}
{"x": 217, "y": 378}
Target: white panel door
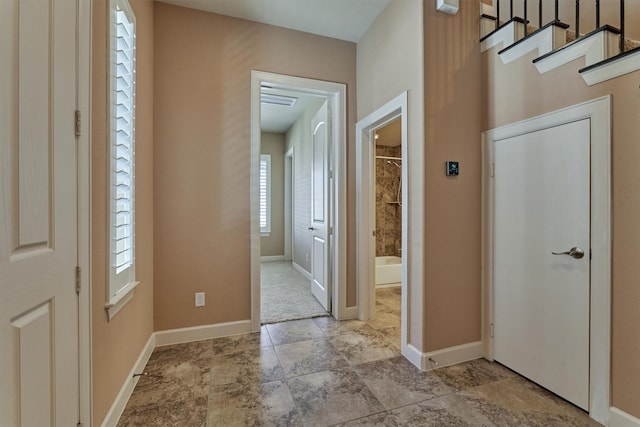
{"x": 38, "y": 214}
{"x": 320, "y": 278}
{"x": 542, "y": 205}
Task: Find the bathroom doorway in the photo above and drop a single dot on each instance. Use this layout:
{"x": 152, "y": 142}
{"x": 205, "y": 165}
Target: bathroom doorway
{"x": 381, "y": 209}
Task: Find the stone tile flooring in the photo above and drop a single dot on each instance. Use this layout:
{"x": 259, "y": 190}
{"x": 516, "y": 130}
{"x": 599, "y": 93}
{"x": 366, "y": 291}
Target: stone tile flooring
{"x": 321, "y": 372}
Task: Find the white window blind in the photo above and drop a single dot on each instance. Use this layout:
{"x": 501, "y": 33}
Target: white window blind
{"x": 265, "y": 193}
{"x": 122, "y": 206}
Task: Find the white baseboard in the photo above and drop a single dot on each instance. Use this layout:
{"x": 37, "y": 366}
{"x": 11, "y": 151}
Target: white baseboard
{"x": 117, "y": 408}
{"x": 301, "y": 270}
{"x": 197, "y": 333}
{"x": 445, "y": 357}
{"x": 272, "y": 258}
{"x": 389, "y": 285}
{"x": 618, "y": 418}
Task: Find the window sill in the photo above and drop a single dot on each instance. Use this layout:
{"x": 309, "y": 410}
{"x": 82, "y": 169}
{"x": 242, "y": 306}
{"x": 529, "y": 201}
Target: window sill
{"x": 114, "y": 306}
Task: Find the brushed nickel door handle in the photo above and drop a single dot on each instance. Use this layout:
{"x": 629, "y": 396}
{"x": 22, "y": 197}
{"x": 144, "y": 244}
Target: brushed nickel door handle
{"x": 574, "y": 252}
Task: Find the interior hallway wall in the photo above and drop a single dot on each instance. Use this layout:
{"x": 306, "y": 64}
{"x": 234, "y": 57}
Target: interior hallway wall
{"x": 273, "y": 144}
{"x": 563, "y": 87}
{"x": 203, "y": 64}
{"x": 390, "y": 62}
{"x": 453, "y": 123}
{"x": 116, "y": 345}
{"x": 299, "y": 138}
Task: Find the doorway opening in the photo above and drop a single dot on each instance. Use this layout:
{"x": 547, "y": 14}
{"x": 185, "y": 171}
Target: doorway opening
{"x": 298, "y": 198}
{"x": 382, "y": 206}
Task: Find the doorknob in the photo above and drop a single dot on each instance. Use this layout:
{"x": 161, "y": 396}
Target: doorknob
{"x": 574, "y": 252}
{"x": 311, "y": 229}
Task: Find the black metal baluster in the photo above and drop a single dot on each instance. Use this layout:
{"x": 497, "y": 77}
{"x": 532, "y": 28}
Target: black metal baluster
{"x": 577, "y": 19}
{"x": 621, "y": 26}
{"x": 556, "y": 12}
{"x": 497, "y": 14}
{"x": 539, "y": 13}
{"x": 511, "y": 8}
{"x": 526, "y": 26}
{"x": 597, "y": 13}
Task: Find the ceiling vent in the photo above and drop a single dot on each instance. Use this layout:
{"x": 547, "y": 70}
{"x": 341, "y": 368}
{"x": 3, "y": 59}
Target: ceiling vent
{"x": 285, "y": 101}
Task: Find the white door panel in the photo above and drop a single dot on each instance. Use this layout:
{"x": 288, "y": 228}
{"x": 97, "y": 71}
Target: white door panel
{"x": 542, "y": 205}
{"x": 38, "y": 214}
{"x": 320, "y": 284}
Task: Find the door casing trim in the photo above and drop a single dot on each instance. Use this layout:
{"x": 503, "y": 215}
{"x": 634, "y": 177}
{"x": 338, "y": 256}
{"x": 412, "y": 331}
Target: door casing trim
{"x": 598, "y": 111}
{"x": 336, "y": 94}
{"x": 365, "y": 208}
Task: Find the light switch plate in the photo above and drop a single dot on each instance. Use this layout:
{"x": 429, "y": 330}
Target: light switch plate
{"x": 199, "y": 299}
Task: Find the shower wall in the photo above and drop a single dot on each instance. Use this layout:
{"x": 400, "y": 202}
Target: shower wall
{"x": 388, "y": 210}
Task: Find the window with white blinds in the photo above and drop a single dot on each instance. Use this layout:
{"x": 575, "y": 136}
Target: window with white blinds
{"x": 265, "y": 193}
{"x": 122, "y": 164}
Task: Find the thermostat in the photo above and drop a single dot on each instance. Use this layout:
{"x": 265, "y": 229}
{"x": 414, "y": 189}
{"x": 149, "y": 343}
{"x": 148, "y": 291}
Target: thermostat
{"x": 453, "y": 169}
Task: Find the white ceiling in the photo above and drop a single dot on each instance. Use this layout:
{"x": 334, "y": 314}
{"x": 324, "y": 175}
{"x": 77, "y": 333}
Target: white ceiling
{"x": 278, "y": 118}
{"x": 339, "y": 19}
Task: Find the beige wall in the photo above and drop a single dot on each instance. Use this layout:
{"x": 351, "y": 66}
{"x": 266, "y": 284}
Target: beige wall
{"x": 117, "y": 344}
{"x": 203, "y": 66}
{"x": 561, "y": 88}
{"x": 273, "y": 144}
{"x": 453, "y": 122}
{"x": 390, "y": 63}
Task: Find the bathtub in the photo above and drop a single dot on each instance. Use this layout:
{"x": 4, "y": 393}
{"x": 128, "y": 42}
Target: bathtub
{"x": 388, "y": 270}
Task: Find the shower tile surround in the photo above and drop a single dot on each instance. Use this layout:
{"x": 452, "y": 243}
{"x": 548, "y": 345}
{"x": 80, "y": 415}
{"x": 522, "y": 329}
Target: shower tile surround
{"x": 322, "y": 372}
{"x": 388, "y": 211}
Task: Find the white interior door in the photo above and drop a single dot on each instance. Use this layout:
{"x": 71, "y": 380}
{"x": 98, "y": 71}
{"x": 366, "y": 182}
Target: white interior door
{"x": 38, "y": 214}
{"x": 320, "y": 278}
{"x": 542, "y": 205}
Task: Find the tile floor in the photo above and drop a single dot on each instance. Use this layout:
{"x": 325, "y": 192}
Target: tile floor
{"x": 321, "y": 372}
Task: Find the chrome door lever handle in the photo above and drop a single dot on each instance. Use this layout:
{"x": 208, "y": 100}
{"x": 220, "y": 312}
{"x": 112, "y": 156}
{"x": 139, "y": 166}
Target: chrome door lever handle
{"x": 574, "y": 252}
{"x": 311, "y": 228}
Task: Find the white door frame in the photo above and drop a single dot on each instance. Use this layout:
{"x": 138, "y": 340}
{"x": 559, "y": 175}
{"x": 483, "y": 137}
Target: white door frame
{"x": 289, "y": 203}
{"x": 84, "y": 209}
{"x": 366, "y": 208}
{"x": 599, "y": 113}
{"x": 336, "y": 94}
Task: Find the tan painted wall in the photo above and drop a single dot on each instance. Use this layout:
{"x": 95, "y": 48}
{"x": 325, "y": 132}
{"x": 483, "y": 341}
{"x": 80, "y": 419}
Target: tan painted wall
{"x": 389, "y": 63}
{"x": 203, "y": 64}
{"x": 563, "y": 87}
{"x": 117, "y": 344}
{"x": 273, "y": 144}
{"x": 453, "y": 122}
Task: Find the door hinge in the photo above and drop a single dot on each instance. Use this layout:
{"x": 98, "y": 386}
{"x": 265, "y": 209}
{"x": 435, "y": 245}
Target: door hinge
{"x": 330, "y": 231}
{"x": 78, "y": 122}
{"x": 78, "y": 279}
{"x": 373, "y": 233}
{"x": 493, "y": 170}
{"x": 331, "y": 174}
{"x": 491, "y": 330}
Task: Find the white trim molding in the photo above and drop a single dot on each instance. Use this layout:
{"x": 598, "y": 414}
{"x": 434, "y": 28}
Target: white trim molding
{"x": 598, "y": 111}
{"x": 620, "y": 66}
{"x": 594, "y": 48}
{"x": 618, "y": 418}
{"x": 118, "y": 405}
{"x": 272, "y": 258}
{"x": 301, "y": 270}
{"x": 505, "y": 36}
{"x": 544, "y": 41}
{"x": 204, "y": 332}
{"x": 445, "y": 357}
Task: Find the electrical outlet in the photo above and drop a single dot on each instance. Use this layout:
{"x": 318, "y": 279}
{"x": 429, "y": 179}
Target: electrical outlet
{"x": 199, "y": 299}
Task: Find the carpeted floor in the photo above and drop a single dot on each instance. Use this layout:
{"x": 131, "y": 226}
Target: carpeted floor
{"x": 286, "y": 294}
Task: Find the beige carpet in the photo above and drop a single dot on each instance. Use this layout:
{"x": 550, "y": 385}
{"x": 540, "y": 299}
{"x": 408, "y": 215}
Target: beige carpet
{"x": 286, "y": 294}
